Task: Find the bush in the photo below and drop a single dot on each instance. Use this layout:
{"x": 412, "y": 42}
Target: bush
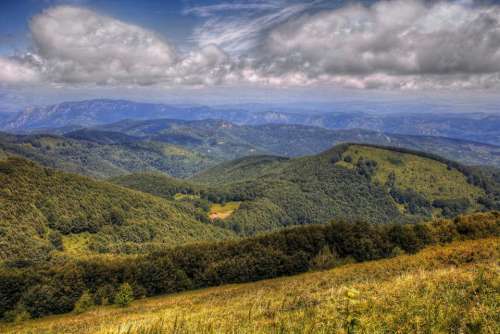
{"x": 55, "y": 239}
{"x": 124, "y": 296}
{"x": 104, "y": 295}
{"x": 84, "y": 303}
{"x": 325, "y": 259}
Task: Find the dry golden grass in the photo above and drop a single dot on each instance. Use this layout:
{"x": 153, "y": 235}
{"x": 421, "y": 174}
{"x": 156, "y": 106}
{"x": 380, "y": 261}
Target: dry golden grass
{"x": 223, "y": 211}
{"x": 443, "y": 289}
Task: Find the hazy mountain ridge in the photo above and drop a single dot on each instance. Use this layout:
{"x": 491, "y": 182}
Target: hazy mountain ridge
{"x": 481, "y": 127}
{"x": 183, "y": 148}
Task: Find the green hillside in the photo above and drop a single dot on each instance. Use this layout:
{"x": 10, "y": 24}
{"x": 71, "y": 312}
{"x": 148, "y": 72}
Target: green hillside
{"x": 43, "y": 210}
{"x": 349, "y": 182}
{"x": 224, "y": 140}
{"x": 102, "y": 155}
{"x": 58, "y": 286}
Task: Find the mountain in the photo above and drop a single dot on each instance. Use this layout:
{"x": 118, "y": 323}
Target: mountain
{"x": 43, "y": 210}
{"x": 227, "y": 140}
{"x": 103, "y": 111}
{"x": 106, "y": 155}
{"x": 479, "y": 127}
{"x": 183, "y": 148}
{"x": 351, "y": 182}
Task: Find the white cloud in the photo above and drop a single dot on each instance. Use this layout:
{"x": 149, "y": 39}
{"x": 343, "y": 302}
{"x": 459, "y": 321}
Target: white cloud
{"x": 13, "y": 71}
{"x": 209, "y": 10}
{"x": 401, "y": 44}
{"x": 241, "y": 31}
{"x": 79, "y": 45}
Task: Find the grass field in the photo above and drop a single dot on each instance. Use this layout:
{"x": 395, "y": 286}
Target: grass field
{"x": 442, "y": 289}
{"x": 223, "y": 211}
{"x": 426, "y": 176}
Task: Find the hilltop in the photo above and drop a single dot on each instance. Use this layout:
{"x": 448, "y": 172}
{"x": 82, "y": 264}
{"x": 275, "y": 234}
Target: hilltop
{"x": 183, "y": 148}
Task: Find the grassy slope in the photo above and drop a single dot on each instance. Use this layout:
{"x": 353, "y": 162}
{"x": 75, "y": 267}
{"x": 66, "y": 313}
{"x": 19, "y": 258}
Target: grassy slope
{"x": 35, "y": 201}
{"x": 429, "y": 177}
{"x": 442, "y": 289}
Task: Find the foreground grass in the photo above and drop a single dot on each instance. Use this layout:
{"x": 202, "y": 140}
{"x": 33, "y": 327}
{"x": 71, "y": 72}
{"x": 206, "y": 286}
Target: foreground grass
{"x": 443, "y": 289}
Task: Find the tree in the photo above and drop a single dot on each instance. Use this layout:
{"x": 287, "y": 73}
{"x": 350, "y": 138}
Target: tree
{"x": 124, "y": 296}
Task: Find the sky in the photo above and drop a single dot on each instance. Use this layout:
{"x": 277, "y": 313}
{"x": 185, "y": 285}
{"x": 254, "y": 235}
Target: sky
{"x": 221, "y": 51}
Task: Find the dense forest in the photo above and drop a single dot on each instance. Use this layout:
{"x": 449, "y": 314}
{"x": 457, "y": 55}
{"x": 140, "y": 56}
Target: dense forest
{"x": 43, "y": 210}
{"x": 370, "y": 183}
{"x": 59, "y": 284}
{"x": 183, "y": 148}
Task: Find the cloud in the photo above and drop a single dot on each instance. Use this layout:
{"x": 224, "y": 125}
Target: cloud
{"x": 78, "y": 46}
{"x": 238, "y": 27}
{"x": 210, "y": 10}
{"x": 15, "y": 71}
{"x": 403, "y": 44}
{"x": 410, "y": 44}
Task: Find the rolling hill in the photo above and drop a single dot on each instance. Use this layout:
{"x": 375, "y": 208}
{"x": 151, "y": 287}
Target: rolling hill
{"x": 43, "y": 210}
{"x": 350, "y": 182}
{"x": 106, "y": 155}
{"x": 46, "y": 209}
{"x": 225, "y": 140}
{"x": 183, "y": 148}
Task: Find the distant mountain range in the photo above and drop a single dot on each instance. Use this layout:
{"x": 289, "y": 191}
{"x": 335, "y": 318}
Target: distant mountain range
{"x": 183, "y": 148}
{"x": 480, "y": 127}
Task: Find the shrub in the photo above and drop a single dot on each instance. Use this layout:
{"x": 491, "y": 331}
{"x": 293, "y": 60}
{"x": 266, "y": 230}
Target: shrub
{"x": 84, "y": 303}
{"x": 104, "y": 295}
{"x": 124, "y": 296}
{"x": 55, "y": 239}
{"x": 325, "y": 259}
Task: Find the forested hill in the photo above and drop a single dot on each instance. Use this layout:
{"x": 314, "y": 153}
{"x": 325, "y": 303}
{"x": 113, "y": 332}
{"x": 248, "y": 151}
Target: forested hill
{"x": 43, "y": 210}
{"x": 349, "y": 182}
